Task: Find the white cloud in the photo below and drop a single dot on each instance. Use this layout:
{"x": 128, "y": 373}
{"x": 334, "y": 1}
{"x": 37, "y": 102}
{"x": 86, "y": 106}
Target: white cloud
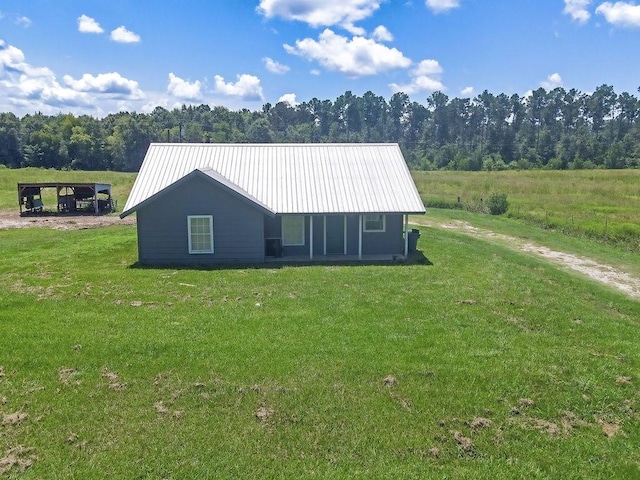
{"x": 425, "y": 77}
{"x": 184, "y": 90}
{"x": 88, "y": 25}
{"x": 356, "y": 57}
{"x": 23, "y": 21}
{"x": 12, "y": 63}
{"x": 577, "y": 9}
{"x": 112, "y": 84}
{"x": 289, "y": 98}
{"x": 620, "y": 14}
{"x": 122, "y": 35}
{"x": 440, "y": 6}
{"x": 467, "y": 92}
{"x": 321, "y": 13}
{"x": 553, "y": 81}
{"x": 382, "y": 34}
{"x": 27, "y": 88}
{"x": 247, "y": 87}
{"x": 274, "y": 67}
{"x": 428, "y": 67}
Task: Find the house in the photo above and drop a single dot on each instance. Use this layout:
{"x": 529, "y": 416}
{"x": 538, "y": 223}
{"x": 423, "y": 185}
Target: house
{"x": 251, "y": 203}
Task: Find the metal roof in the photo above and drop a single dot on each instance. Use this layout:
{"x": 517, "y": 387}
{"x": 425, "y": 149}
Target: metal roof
{"x": 289, "y": 178}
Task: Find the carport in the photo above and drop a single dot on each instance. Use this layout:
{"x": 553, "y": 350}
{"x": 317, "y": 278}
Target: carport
{"x": 72, "y": 198}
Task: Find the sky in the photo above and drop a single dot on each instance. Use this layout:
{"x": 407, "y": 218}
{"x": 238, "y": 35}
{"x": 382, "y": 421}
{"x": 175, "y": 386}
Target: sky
{"x": 98, "y": 57}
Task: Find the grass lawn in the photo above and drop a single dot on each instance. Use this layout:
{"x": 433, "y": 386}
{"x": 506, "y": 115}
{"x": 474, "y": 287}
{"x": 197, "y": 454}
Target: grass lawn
{"x": 486, "y": 364}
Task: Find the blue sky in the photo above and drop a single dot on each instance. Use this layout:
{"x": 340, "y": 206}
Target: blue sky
{"x": 102, "y": 56}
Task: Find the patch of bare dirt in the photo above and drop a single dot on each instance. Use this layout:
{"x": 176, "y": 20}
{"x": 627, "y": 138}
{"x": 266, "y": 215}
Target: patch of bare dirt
{"x": 10, "y": 219}
{"x": 603, "y": 273}
{"x": 114, "y": 383}
{"x": 14, "y": 418}
{"x": 480, "y": 422}
{"x": 465, "y": 442}
{"x": 68, "y": 376}
{"x": 19, "y": 457}
{"x": 263, "y": 413}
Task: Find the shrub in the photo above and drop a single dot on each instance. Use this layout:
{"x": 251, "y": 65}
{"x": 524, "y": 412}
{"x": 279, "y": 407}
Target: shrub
{"x": 498, "y": 204}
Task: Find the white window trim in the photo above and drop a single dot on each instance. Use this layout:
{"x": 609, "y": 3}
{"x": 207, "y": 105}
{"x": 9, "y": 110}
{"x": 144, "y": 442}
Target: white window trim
{"x": 208, "y": 217}
{"x": 302, "y": 230}
{"x": 370, "y": 230}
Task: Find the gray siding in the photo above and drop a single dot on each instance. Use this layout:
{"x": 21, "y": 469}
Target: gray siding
{"x": 238, "y": 227}
{"x": 391, "y": 241}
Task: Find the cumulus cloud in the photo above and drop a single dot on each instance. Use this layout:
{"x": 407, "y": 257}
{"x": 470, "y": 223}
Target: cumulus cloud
{"x": 184, "y": 90}
{"x": 321, "y": 13}
{"x": 382, "y": 34}
{"x": 112, "y": 84}
{"x": 247, "y": 87}
{"x": 553, "y": 81}
{"x": 620, "y": 14}
{"x": 467, "y": 92}
{"x": 12, "y": 62}
{"x": 577, "y": 9}
{"x": 289, "y": 98}
{"x": 274, "y": 67}
{"x": 122, "y": 35}
{"x": 356, "y": 57}
{"x": 425, "y": 77}
{"x": 23, "y": 84}
{"x": 440, "y": 6}
{"x": 88, "y": 25}
{"x": 30, "y": 88}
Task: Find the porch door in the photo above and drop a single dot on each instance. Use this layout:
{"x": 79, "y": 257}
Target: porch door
{"x": 334, "y": 234}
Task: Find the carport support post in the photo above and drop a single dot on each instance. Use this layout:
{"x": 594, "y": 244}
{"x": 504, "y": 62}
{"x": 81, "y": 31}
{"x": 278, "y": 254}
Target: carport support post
{"x": 406, "y": 235}
{"x": 360, "y": 237}
{"x": 310, "y": 237}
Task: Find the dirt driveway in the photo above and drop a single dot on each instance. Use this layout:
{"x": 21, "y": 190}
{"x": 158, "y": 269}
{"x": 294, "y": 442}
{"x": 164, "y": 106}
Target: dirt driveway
{"x": 61, "y": 222}
{"x": 600, "y": 272}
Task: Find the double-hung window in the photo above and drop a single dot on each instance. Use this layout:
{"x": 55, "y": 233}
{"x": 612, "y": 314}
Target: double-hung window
{"x": 200, "y": 228}
{"x": 374, "y": 223}
{"x": 293, "y": 230}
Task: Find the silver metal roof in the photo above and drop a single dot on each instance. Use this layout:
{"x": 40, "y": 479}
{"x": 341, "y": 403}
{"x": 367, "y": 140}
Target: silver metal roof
{"x": 289, "y": 178}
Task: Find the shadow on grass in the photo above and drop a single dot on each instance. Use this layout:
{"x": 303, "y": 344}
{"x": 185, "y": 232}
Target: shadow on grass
{"x": 414, "y": 258}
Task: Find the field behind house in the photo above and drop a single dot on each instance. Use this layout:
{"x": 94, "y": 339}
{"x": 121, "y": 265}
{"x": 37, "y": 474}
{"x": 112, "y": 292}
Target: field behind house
{"x": 600, "y": 204}
{"x": 484, "y": 362}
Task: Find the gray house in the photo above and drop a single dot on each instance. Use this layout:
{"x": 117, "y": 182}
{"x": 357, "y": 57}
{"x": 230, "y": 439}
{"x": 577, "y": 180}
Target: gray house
{"x": 253, "y": 203}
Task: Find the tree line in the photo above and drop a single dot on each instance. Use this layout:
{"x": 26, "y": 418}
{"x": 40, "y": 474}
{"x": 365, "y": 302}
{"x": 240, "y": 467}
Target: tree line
{"x": 558, "y": 129}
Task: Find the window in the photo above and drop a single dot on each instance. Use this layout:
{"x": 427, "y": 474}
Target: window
{"x": 293, "y": 230}
{"x": 200, "y": 233}
{"x": 374, "y": 223}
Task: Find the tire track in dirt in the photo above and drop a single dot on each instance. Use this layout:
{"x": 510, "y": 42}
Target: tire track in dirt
{"x": 603, "y": 273}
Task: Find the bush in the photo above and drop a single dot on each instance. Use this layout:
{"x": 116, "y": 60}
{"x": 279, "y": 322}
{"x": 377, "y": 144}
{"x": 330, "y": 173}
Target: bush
{"x": 498, "y": 204}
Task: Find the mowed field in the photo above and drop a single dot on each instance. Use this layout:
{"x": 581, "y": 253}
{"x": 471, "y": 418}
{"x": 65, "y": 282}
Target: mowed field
{"x": 484, "y": 362}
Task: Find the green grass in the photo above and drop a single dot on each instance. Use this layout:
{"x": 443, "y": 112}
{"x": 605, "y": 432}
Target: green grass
{"x": 504, "y": 366}
{"x": 600, "y": 204}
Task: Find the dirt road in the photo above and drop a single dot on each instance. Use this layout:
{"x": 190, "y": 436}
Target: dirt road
{"x": 61, "y": 222}
{"x": 600, "y": 272}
